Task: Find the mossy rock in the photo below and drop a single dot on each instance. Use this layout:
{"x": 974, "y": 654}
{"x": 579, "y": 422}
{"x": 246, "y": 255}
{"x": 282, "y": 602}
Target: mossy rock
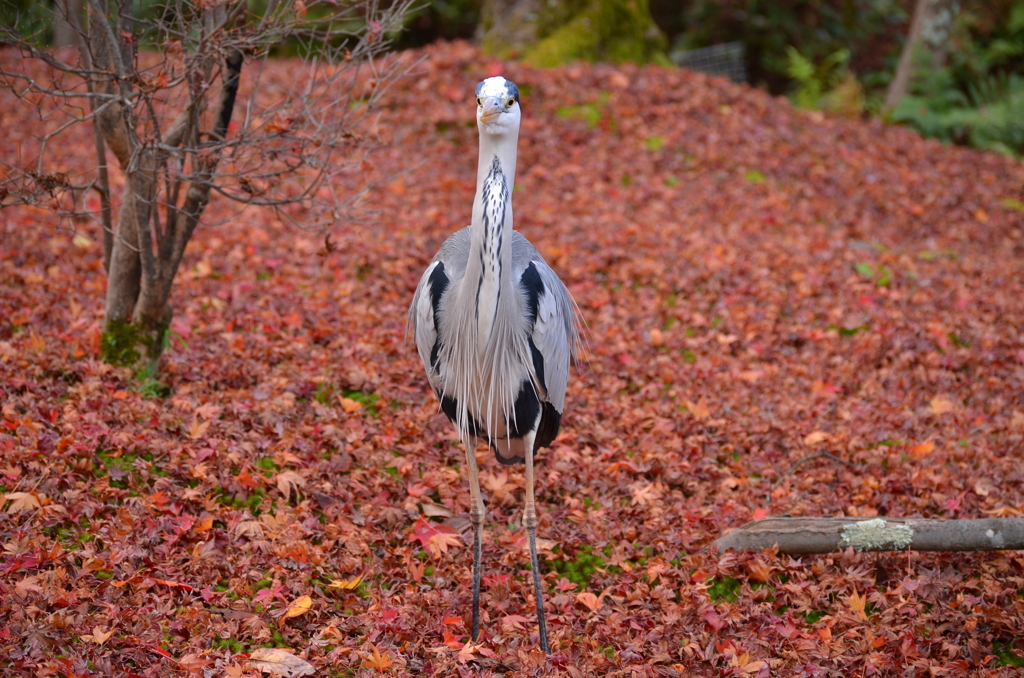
{"x": 616, "y": 31}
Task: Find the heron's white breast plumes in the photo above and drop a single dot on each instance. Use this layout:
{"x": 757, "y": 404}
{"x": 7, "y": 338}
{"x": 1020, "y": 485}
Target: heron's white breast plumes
{"x": 496, "y": 210}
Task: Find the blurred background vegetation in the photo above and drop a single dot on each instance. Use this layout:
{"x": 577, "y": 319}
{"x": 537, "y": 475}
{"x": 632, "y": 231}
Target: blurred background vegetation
{"x": 964, "y": 79}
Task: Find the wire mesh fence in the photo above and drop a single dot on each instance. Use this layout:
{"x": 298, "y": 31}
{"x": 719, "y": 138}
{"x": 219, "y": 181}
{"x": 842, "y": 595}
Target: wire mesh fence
{"x": 727, "y": 59}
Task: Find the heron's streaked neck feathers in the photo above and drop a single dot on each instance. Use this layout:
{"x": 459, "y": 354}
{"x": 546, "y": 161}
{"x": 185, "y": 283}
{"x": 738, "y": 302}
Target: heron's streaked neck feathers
{"x": 489, "y": 269}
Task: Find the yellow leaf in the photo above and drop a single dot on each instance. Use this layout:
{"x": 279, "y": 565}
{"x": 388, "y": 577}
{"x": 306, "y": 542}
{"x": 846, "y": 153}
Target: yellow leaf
{"x": 299, "y": 606}
{"x": 857, "y": 603}
{"x": 941, "y": 405}
{"x": 81, "y": 242}
{"x": 197, "y": 430}
{"x": 345, "y": 584}
{"x": 378, "y": 661}
{"x": 699, "y": 411}
{"x": 350, "y": 405}
{"x": 203, "y": 525}
{"x": 21, "y": 501}
{"x": 98, "y": 636}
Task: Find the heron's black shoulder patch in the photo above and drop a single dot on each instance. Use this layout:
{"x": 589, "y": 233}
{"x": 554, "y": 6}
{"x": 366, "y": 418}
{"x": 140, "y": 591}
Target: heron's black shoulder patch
{"x": 550, "y": 422}
{"x": 533, "y": 287}
{"x": 450, "y": 407}
{"x": 526, "y": 409}
{"x": 438, "y": 283}
{"x": 538, "y": 363}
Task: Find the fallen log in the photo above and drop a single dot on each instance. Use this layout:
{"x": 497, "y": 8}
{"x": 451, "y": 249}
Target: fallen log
{"x": 797, "y": 536}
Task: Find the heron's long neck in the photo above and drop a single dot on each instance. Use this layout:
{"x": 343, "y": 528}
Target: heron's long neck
{"x": 489, "y": 269}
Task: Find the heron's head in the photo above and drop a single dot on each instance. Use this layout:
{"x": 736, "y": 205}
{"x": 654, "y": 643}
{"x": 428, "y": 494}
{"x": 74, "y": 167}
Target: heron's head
{"x": 497, "y": 106}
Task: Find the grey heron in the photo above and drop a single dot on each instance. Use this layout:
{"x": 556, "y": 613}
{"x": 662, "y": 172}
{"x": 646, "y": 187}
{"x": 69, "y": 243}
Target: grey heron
{"x": 496, "y": 328}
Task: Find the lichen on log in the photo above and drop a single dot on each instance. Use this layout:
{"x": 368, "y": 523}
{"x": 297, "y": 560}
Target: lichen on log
{"x": 799, "y": 536}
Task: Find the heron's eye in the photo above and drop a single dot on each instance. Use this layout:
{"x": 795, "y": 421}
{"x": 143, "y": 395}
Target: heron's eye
{"x": 508, "y": 104}
{"x": 479, "y": 101}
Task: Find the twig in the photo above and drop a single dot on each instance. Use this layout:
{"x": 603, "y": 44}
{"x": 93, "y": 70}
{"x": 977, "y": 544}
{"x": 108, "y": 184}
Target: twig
{"x": 809, "y": 458}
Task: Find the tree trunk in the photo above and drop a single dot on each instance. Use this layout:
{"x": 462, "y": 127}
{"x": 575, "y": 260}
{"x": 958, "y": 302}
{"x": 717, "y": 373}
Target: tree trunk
{"x": 145, "y": 256}
{"x": 65, "y": 19}
{"x": 798, "y": 536}
{"x": 929, "y": 28}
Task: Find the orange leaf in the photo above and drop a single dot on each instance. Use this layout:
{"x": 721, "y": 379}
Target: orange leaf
{"x": 815, "y": 437}
{"x": 452, "y": 641}
{"x": 21, "y": 501}
{"x": 589, "y": 600}
{"x": 760, "y": 571}
{"x": 377, "y": 661}
{"x": 927, "y": 447}
{"x": 700, "y": 410}
{"x": 203, "y": 525}
{"x": 197, "y": 430}
{"x": 98, "y": 635}
{"x": 350, "y": 405}
{"x": 439, "y": 543}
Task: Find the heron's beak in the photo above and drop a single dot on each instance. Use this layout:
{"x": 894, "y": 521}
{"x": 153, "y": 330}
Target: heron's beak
{"x": 492, "y": 109}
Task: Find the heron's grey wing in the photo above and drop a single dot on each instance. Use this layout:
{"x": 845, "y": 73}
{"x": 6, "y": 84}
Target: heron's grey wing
{"x": 443, "y": 274}
{"x": 424, "y": 320}
{"x": 554, "y": 333}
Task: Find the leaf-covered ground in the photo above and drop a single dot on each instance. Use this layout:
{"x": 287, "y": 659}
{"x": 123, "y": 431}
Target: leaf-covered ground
{"x": 761, "y": 284}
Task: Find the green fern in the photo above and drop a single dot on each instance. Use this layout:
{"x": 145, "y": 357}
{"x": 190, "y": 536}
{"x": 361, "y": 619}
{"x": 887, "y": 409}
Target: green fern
{"x": 988, "y": 117}
{"x": 829, "y": 85}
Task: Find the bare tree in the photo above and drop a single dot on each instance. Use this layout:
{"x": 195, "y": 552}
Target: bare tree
{"x": 161, "y": 91}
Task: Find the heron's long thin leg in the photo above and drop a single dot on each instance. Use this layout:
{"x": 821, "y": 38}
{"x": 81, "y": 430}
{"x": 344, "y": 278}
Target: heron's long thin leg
{"x": 530, "y": 518}
{"x": 476, "y": 516}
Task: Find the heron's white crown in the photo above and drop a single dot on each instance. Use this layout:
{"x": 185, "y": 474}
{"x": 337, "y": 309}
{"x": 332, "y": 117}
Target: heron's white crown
{"x": 497, "y": 110}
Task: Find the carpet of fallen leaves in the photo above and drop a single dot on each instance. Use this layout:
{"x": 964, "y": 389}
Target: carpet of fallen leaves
{"x": 761, "y": 284}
